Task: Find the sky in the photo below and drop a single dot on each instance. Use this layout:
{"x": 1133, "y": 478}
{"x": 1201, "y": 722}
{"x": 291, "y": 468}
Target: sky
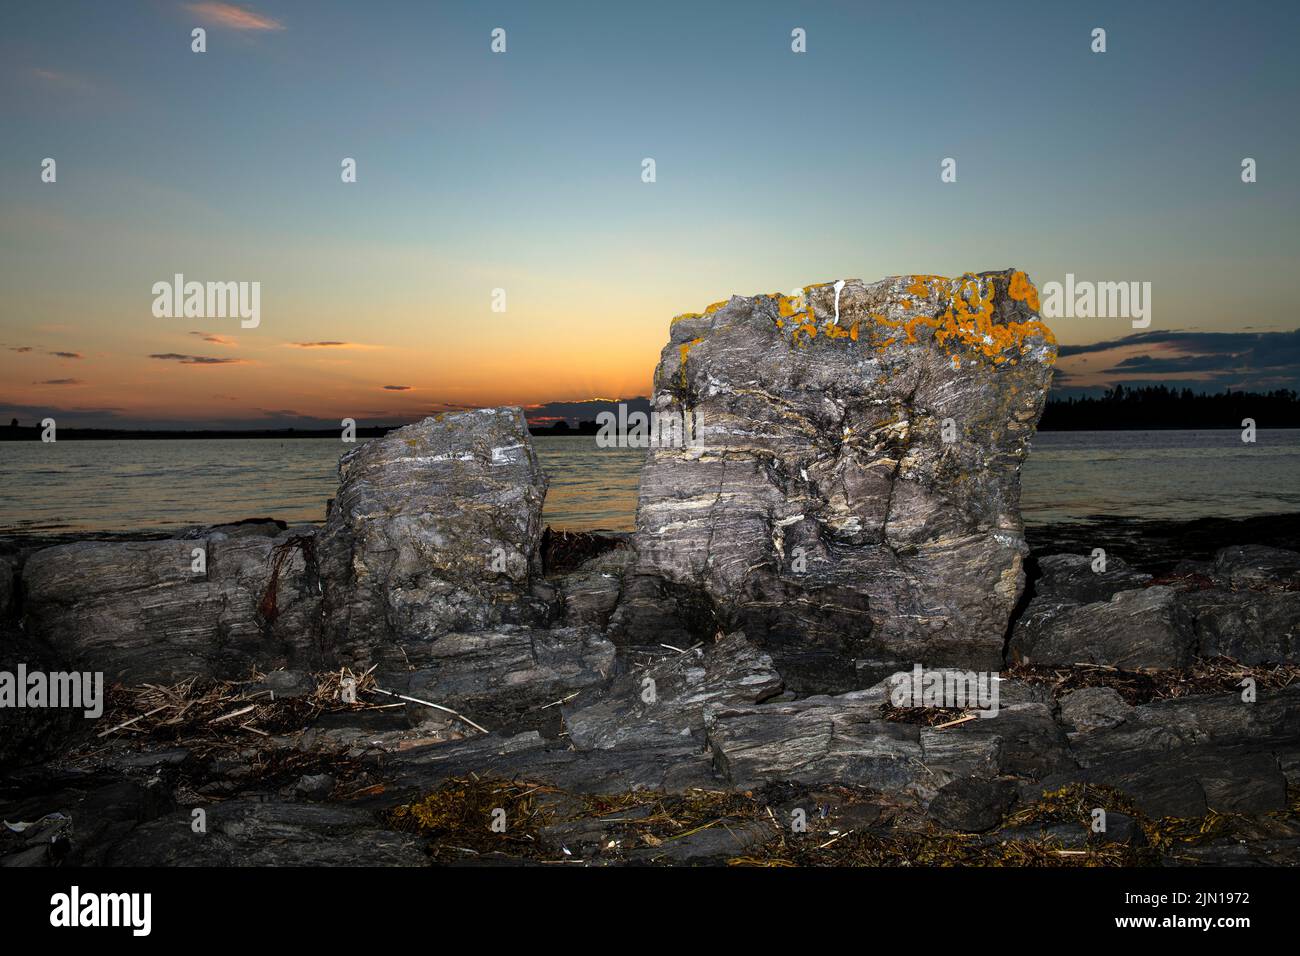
{"x": 522, "y": 171}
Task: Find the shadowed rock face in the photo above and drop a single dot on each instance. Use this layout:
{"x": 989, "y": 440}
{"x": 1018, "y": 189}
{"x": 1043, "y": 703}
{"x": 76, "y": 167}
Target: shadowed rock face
{"x": 1245, "y": 604}
{"x": 851, "y": 483}
{"x": 435, "y": 528}
{"x": 139, "y": 611}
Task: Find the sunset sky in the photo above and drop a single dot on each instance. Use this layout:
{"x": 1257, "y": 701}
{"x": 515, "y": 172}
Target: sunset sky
{"x": 522, "y": 171}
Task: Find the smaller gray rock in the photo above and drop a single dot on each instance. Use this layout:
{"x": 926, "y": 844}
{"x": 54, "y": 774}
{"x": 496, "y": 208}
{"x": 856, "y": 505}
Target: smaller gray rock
{"x": 972, "y": 805}
{"x": 731, "y": 672}
{"x": 32, "y": 856}
{"x": 1070, "y": 578}
{"x": 499, "y": 678}
{"x": 1134, "y": 629}
{"x": 1249, "y": 626}
{"x": 817, "y": 740}
{"x": 1121, "y": 828}
{"x": 1093, "y": 708}
{"x": 247, "y": 832}
{"x": 1251, "y": 565}
{"x": 592, "y": 592}
{"x": 716, "y": 843}
{"x": 287, "y": 683}
{"x": 315, "y": 786}
{"x": 436, "y": 528}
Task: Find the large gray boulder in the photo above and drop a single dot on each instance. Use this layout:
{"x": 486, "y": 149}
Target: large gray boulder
{"x": 140, "y": 611}
{"x": 435, "y": 528}
{"x": 848, "y": 470}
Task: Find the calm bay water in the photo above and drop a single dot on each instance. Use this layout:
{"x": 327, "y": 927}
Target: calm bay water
{"x": 72, "y": 486}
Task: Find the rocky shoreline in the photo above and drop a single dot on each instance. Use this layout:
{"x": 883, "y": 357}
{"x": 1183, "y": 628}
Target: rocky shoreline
{"x": 435, "y": 677}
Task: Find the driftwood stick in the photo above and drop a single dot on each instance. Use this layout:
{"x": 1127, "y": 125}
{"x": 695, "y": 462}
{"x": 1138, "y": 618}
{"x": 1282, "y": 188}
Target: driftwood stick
{"x": 959, "y": 720}
{"x": 446, "y": 710}
{"x": 233, "y": 713}
{"x": 128, "y": 723}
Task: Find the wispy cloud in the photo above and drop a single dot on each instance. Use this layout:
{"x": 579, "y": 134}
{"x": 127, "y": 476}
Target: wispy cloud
{"x": 61, "y": 80}
{"x": 331, "y": 345}
{"x": 231, "y": 17}
{"x": 216, "y": 339}
{"x": 397, "y": 388}
{"x": 67, "y": 355}
{"x": 60, "y": 381}
{"x": 20, "y": 348}
{"x": 1200, "y": 360}
{"x": 195, "y": 359}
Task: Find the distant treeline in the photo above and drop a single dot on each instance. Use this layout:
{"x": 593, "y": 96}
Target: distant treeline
{"x": 564, "y": 428}
{"x": 68, "y": 433}
{"x": 1119, "y": 408}
{"x": 1156, "y": 406}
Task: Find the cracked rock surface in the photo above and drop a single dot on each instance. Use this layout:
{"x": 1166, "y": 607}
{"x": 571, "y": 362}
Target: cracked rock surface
{"x": 848, "y": 474}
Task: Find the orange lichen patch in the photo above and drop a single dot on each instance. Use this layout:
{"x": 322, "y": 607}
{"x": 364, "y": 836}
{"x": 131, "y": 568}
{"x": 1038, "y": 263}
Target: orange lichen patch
{"x": 786, "y": 306}
{"x": 685, "y": 349}
{"x": 685, "y": 315}
{"x": 1022, "y": 290}
{"x": 966, "y": 320}
{"x": 920, "y": 286}
{"x": 808, "y": 328}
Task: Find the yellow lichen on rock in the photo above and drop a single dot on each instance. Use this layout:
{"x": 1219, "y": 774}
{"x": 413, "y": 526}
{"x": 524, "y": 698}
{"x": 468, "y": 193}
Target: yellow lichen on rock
{"x": 964, "y": 318}
{"x": 686, "y": 349}
{"x": 1022, "y": 290}
{"x": 967, "y": 318}
{"x": 921, "y": 284}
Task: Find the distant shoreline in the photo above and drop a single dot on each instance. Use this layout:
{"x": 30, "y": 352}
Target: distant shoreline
{"x": 33, "y": 433}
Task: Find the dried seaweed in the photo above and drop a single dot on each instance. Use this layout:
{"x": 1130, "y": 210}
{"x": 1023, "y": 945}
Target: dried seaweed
{"x": 1208, "y": 676}
{"x": 208, "y": 716}
{"x": 459, "y": 817}
{"x": 268, "y": 607}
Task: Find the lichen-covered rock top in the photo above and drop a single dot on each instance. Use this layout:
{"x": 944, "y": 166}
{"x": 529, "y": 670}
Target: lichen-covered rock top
{"x": 989, "y": 316}
{"x": 849, "y": 473}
